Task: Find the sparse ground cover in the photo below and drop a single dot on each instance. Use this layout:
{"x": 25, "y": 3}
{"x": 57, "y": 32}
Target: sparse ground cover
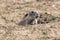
{"x": 12, "y": 12}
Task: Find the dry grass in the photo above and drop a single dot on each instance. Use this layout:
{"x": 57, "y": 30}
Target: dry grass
{"x": 12, "y": 11}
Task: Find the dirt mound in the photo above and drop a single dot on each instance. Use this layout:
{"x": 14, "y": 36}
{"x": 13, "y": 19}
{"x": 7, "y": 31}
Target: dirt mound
{"x": 32, "y": 18}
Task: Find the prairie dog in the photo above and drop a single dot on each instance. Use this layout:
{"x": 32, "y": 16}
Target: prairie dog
{"x": 29, "y": 18}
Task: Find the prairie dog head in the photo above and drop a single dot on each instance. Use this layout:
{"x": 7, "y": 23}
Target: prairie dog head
{"x": 31, "y": 14}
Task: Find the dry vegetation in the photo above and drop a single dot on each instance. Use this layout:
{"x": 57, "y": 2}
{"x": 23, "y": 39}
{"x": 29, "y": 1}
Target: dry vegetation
{"x": 12, "y": 12}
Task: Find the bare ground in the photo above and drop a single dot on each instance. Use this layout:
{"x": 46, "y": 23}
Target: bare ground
{"x": 12, "y": 11}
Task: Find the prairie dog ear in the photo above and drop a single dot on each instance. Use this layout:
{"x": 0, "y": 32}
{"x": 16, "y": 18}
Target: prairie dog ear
{"x": 25, "y": 16}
